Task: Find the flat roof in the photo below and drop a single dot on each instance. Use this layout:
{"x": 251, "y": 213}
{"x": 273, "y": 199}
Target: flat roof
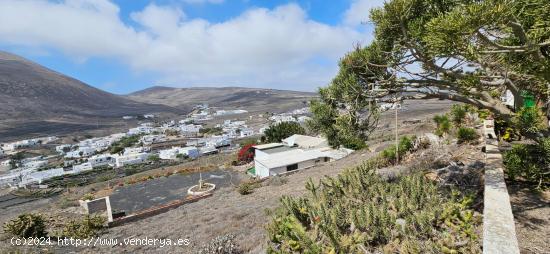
{"x": 268, "y": 146}
{"x": 278, "y": 149}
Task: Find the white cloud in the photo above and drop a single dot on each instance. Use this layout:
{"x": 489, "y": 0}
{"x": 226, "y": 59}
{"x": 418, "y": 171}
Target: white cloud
{"x": 278, "y": 48}
{"x": 360, "y": 10}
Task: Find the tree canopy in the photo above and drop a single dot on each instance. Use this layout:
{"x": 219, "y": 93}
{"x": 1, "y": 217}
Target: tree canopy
{"x": 469, "y": 51}
{"x": 278, "y": 132}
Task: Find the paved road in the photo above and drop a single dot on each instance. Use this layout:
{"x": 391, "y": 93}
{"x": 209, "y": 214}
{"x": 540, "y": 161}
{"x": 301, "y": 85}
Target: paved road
{"x": 163, "y": 190}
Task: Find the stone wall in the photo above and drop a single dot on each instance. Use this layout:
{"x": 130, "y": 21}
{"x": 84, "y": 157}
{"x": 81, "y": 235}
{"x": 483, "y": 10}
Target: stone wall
{"x": 499, "y": 233}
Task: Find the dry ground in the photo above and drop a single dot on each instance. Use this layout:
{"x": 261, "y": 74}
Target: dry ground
{"x": 532, "y": 216}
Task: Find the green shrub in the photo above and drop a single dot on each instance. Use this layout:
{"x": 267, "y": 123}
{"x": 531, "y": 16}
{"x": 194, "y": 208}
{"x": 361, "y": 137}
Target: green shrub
{"x": 405, "y": 146}
{"x": 483, "y": 113}
{"x": 360, "y": 212}
{"x": 529, "y": 162}
{"x": 88, "y": 196}
{"x": 458, "y": 113}
{"x": 443, "y": 125}
{"x": 466, "y": 135}
{"x": 90, "y": 226}
{"x": 246, "y": 188}
{"x": 153, "y": 158}
{"x": 27, "y": 225}
{"x": 529, "y": 120}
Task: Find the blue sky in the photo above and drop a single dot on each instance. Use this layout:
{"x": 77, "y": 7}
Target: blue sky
{"x": 128, "y": 45}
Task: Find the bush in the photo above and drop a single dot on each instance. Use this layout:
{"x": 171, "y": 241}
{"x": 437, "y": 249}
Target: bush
{"x": 360, "y": 212}
{"x": 458, "y": 113}
{"x": 27, "y": 225}
{"x": 483, "y": 113}
{"x": 443, "y": 125}
{"x": 246, "y": 154}
{"x": 246, "y": 188}
{"x": 90, "y": 226}
{"x": 529, "y": 120}
{"x": 405, "y": 145}
{"x": 466, "y": 135}
{"x": 153, "y": 158}
{"x": 88, "y": 196}
{"x": 530, "y": 162}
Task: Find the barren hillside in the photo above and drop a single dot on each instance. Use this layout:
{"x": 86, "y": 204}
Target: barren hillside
{"x": 253, "y": 99}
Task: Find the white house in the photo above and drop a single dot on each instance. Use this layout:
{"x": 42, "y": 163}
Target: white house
{"x": 20, "y": 144}
{"x": 171, "y": 154}
{"x": 62, "y": 148}
{"x": 151, "y": 139}
{"x": 218, "y": 142}
{"x": 230, "y": 112}
{"x": 87, "y": 166}
{"x": 139, "y": 149}
{"x": 130, "y": 159}
{"x": 294, "y": 153}
{"x": 141, "y": 130}
{"x": 100, "y": 160}
{"x": 40, "y": 176}
{"x": 82, "y": 151}
{"x": 282, "y": 118}
{"x": 190, "y": 129}
{"x": 35, "y": 164}
{"x": 246, "y": 132}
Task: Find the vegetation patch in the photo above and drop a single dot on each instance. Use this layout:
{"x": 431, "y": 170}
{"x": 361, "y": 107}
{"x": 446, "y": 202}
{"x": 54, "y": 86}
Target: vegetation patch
{"x": 276, "y": 133}
{"x": 529, "y": 162}
{"x": 405, "y": 145}
{"x": 360, "y": 212}
{"x": 27, "y": 225}
{"x": 90, "y": 226}
{"x": 466, "y": 135}
{"x": 443, "y": 124}
{"x": 246, "y": 188}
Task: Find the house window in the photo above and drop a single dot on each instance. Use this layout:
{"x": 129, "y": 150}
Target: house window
{"x": 291, "y": 167}
{"x": 326, "y": 159}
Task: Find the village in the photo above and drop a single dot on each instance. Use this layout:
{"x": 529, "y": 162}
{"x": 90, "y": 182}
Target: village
{"x": 195, "y": 136}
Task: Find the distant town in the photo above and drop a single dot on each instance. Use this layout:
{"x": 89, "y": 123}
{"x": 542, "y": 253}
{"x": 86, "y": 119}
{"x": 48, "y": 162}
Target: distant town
{"x": 169, "y": 140}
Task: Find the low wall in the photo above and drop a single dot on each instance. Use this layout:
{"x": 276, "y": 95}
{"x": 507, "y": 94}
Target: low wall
{"x": 94, "y": 206}
{"x": 156, "y": 210}
{"x": 499, "y": 231}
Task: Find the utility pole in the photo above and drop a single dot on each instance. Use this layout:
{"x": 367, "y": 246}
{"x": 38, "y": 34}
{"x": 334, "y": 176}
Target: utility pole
{"x": 396, "y": 135}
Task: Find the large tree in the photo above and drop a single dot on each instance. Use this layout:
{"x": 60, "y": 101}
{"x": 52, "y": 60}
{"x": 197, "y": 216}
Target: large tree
{"x": 469, "y": 51}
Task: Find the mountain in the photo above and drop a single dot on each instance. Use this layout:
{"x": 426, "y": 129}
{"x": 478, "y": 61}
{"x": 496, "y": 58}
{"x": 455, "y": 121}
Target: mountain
{"x": 31, "y": 91}
{"x": 251, "y": 99}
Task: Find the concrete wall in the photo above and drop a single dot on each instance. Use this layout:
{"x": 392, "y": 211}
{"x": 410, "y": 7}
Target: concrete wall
{"x": 155, "y": 210}
{"x": 499, "y": 232}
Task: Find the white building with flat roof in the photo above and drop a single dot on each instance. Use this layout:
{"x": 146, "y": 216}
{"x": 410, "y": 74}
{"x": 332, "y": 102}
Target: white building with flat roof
{"x": 172, "y": 153}
{"x": 129, "y": 159}
{"x": 82, "y": 151}
{"x": 294, "y": 153}
{"x": 151, "y": 139}
{"x": 100, "y": 160}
